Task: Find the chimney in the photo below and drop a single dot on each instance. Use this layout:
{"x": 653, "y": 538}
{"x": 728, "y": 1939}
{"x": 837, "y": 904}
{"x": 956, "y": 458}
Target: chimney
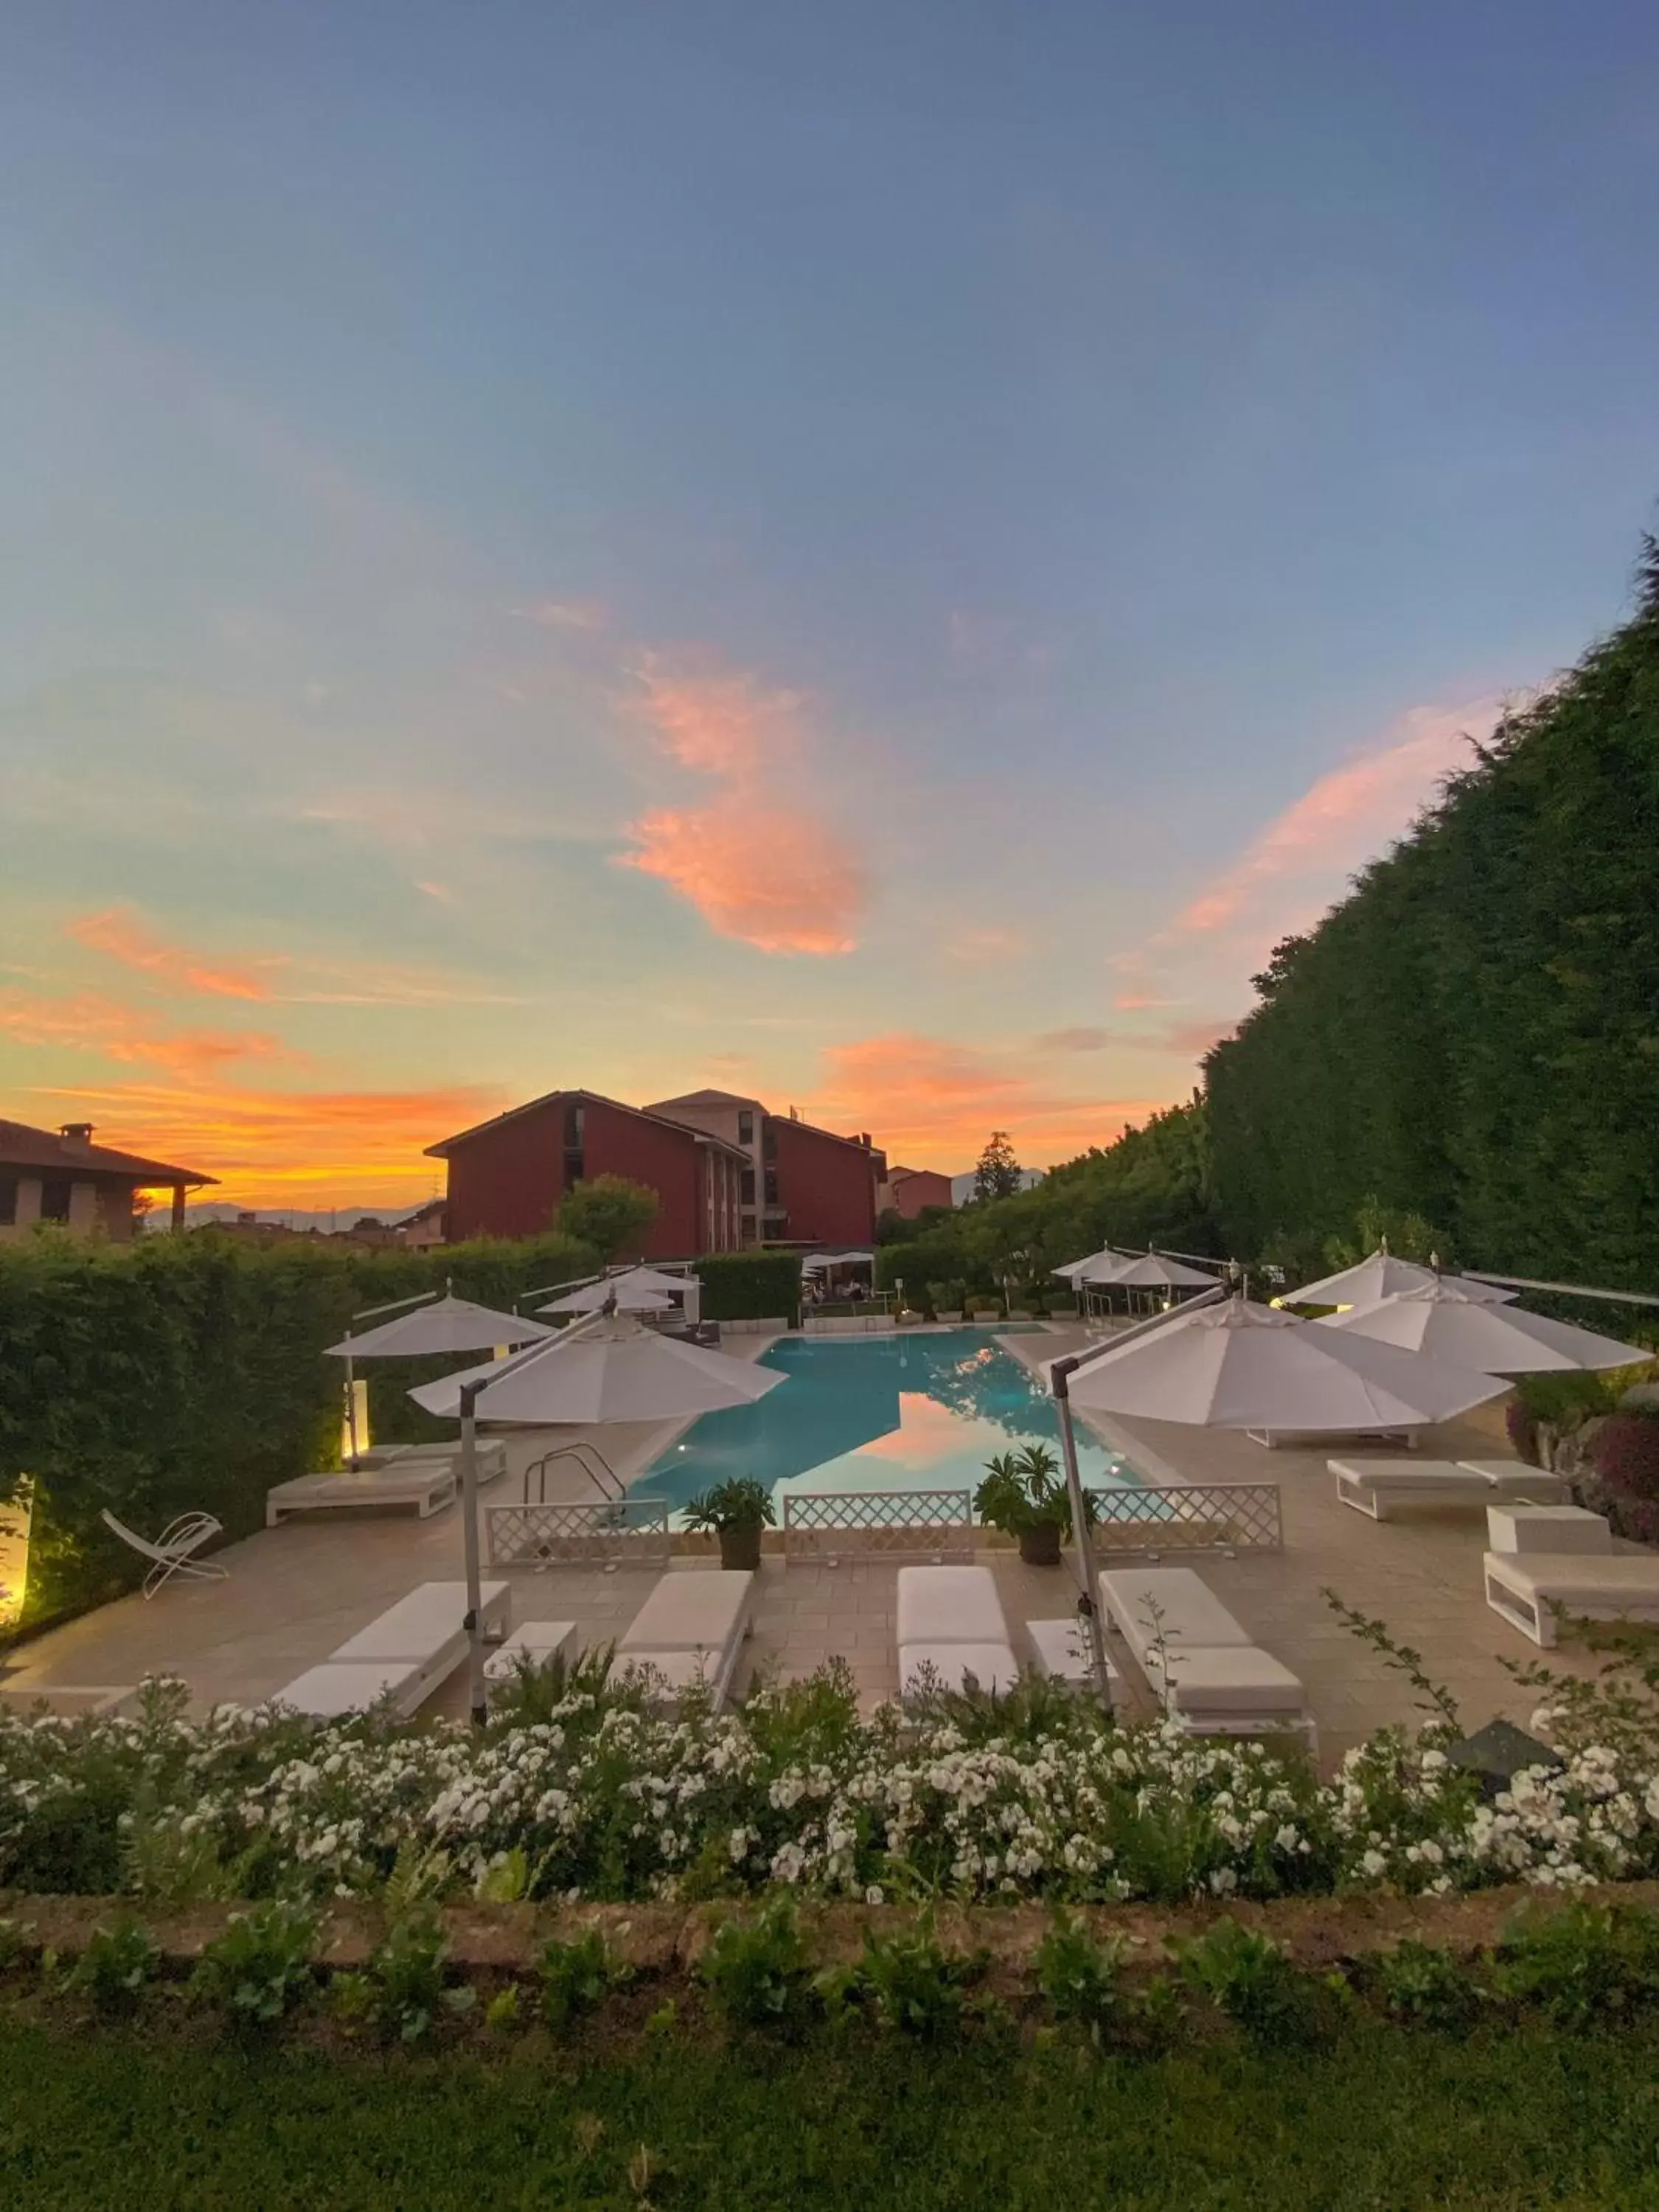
{"x": 76, "y": 1136}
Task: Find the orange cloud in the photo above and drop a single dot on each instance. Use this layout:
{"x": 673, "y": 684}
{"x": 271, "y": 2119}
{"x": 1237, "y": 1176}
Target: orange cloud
{"x": 1076, "y": 1040}
{"x": 90, "y": 1023}
{"x": 120, "y": 935}
{"x": 721, "y": 724}
{"x": 1346, "y": 815}
{"x": 286, "y": 1147}
{"x": 773, "y": 878}
{"x": 1135, "y": 1002}
{"x": 760, "y": 862}
{"x": 933, "y": 1103}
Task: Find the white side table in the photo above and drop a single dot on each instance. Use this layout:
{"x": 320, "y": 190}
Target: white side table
{"x": 534, "y": 1643}
{"x": 1547, "y": 1528}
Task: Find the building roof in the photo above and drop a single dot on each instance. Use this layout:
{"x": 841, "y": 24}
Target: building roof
{"x": 21, "y": 1146}
{"x": 704, "y": 1098}
{"x": 442, "y": 1148}
{"x": 901, "y": 1175}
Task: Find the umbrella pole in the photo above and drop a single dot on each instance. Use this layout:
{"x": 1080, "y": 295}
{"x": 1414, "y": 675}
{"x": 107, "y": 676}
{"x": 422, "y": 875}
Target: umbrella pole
{"x": 474, "y": 1626}
{"x": 1088, "y": 1597}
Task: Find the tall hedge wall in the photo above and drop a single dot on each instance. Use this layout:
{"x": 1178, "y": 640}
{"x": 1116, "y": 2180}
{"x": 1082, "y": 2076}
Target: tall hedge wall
{"x": 178, "y": 1373}
{"x": 751, "y": 1286}
{"x": 1473, "y": 1033}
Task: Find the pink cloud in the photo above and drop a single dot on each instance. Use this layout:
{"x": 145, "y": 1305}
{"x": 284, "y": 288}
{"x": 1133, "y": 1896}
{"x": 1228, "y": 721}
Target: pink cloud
{"x": 761, "y": 862}
{"x": 934, "y": 1103}
{"x": 90, "y": 1023}
{"x": 565, "y": 614}
{"x": 1135, "y": 1002}
{"x": 771, "y": 877}
{"x": 1346, "y": 815}
{"x": 120, "y": 935}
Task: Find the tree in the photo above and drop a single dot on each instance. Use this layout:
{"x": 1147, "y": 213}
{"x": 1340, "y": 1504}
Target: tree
{"x": 609, "y": 1212}
{"x": 997, "y": 1173}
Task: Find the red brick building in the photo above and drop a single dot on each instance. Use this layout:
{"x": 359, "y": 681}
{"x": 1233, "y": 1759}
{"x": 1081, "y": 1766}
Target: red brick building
{"x": 801, "y": 1185}
{"x": 908, "y": 1190}
{"x": 726, "y": 1173}
{"x": 508, "y": 1177}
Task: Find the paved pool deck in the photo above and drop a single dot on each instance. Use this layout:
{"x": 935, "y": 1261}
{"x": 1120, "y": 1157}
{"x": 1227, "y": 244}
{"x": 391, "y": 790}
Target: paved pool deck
{"x": 294, "y": 1593}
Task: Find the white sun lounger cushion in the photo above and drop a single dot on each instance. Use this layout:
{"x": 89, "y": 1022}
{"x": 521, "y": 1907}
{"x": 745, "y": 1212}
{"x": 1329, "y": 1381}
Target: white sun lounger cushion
{"x": 1167, "y": 1604}
{"x": 992, "y": 1665}
{"x": 699, "y": 1610}
{"x": 950, "y": 1605}
{"x": 1526, "y": 1587}
{"x": 1235, "y": 1679}
{"x": 1406, "y": 1475}
{"x": 422, "y": 1624}
{"x": 1509, "y": 1480}
{"x": 352, "y": 1686}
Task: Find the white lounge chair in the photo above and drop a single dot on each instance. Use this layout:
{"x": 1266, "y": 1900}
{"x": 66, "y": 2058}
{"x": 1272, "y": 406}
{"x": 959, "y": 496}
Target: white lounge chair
{"x": 1213, "y": 1678}
{"x": 1059, "y": 1650}
{"x": 1372, "y": 1486}
{"x": 1526, "y": 1588}
{"x": 427, "y": 1485}
{"x": 534, "y": 1645}
{"x": 405, "y": 1653}
{"x": 173, "y": 1551}
{"x": 952, "y": 1627}
{"x": 691, "y": 1630}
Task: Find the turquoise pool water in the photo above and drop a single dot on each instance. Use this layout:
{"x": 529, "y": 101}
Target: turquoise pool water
{"x": 879, "y": 1412}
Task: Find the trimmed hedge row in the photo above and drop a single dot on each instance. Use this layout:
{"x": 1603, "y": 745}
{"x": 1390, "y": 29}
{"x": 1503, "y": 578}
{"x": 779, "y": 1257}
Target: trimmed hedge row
{"x": 174, "y": 1374}
{"x": 751, "y": 1286}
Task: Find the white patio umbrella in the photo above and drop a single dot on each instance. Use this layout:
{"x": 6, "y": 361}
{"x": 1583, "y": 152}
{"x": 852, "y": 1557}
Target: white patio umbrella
{"x": 1380, "y": 1275}
{"x": 1155, "y": 1271}
{"x": 637, "y": 1290}
{"x": 603, "y": 1368}
{"x": 1235, "y": 1364}
{"x": 1076, "y": 1271}
{"x": 445, "y": 1324}
{"x": 1442, "y": 1320}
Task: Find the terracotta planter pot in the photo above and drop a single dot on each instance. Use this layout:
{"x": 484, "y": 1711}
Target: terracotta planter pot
{"x": 1040, "y": 1547}
{"x": 740, "y": 1548}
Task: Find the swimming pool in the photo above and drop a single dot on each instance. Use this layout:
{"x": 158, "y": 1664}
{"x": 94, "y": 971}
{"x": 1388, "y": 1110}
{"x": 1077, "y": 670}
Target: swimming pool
{"x": 876, "y": 1412}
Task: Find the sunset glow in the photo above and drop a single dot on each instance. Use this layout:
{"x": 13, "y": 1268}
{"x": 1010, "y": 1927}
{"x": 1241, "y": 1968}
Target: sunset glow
{"x": 883, "y": 566}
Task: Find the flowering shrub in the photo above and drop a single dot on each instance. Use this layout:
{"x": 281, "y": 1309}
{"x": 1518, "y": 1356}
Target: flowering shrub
{"x": 598, "y": 1796}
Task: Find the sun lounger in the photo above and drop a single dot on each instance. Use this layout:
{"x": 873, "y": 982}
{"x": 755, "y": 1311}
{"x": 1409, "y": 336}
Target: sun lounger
{"x": 1373, "y": 1486}
{"x": 950, "y": 1626}
{"x": 1061, "y": 1650}
{"x": 405, "y": 1653}
{"x": 1527, "y": 1587}
{"x": 425, "y": 1476}
{"x": 534, "y": 1645}
{"x": 691, "y": 1628}
{"x": 1212, "y": 1678}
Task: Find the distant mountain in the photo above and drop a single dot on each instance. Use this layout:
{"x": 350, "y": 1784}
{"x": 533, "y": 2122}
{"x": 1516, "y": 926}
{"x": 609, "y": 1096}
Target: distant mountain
{"x": 962, "y": 1186}
{"x": 284, "y": 1217}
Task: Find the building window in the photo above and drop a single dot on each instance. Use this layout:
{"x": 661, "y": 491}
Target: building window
{"x": 746, "y": 1187}
{"x": 55, "y": 1198}
{"x": 771, "y": 1186}
{"x": 575, "y": 1136}
{"x": 745, "y": 1127}
{"x": 8, "y": 1199}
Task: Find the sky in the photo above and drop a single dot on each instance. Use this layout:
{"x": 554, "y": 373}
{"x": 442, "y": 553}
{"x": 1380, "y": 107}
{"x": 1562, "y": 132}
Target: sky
{"x": 876, "y": 557}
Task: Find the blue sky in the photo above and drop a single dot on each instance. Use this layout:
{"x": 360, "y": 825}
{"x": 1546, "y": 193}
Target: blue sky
{"x": 874, "y": 556}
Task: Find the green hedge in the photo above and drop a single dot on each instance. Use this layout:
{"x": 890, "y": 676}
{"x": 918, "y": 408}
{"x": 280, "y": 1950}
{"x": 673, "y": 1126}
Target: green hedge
{"x": 751, "y": 1286}
{"x": 174, "y": 1373}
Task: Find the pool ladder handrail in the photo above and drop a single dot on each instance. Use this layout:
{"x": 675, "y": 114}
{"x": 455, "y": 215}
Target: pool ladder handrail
{"x": 593, "y": 1463}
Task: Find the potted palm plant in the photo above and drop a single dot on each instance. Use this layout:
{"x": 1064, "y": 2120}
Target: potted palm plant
{"x": 737, "y": 1510}
{"x": 1022, "y": 1494}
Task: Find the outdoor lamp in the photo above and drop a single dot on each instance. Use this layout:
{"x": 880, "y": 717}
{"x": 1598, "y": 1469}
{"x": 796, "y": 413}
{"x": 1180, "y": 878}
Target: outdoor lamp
{"x": 1498, "y": 1753}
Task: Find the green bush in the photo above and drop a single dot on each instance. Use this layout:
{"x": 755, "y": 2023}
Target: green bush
{"x": 1081, "y": 1979}
{"x": 261, "y": 1966}
{"x": 175, "y": 1374}
{"x": 577, "y": 1977}
{"x": 408, "y": 1982}
{"x": 755, "y": 1971}
{"x": 910, "y": 1984}
{"x": 1424, "y": 1984}
{"x": 115, "y": 1965}
{"x": 1584, "y": 1965}
{"x": 1627, "y": 1455}
{"x": 751, "y": 1286}
{"x": 1247, "y": 1977}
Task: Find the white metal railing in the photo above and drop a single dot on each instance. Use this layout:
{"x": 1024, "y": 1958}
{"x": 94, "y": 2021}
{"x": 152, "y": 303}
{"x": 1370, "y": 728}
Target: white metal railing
{"x": 624, "y": 1531}
{"x": 1188, "y": 1516}
{"x": 881, "y": 1523}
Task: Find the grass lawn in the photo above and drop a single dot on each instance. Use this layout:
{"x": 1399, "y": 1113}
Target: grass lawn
{"x": 113, "y": 2117}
